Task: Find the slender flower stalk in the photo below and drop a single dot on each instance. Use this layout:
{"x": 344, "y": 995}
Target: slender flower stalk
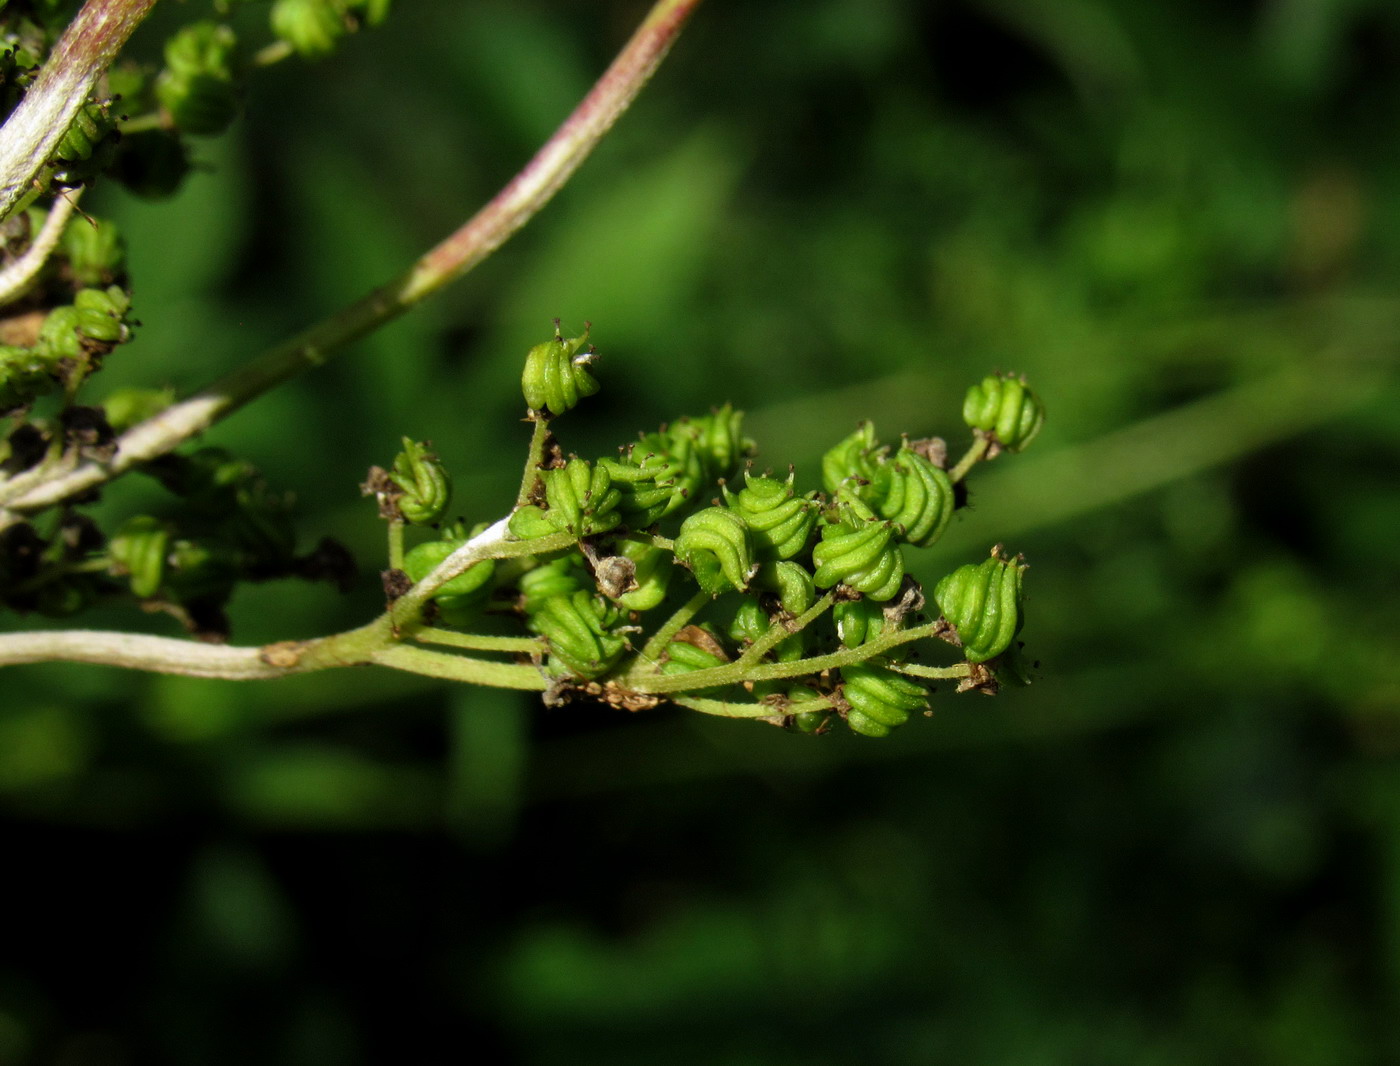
{"x": 518, "y": 202}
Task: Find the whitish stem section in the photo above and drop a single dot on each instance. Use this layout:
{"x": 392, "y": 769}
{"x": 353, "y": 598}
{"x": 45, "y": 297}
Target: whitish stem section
{"x": 15, "y": 278}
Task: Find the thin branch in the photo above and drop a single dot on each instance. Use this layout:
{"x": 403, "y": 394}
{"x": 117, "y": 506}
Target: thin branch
{"x": 136, "y": 651}
{"x": 87, "y": 47}
{"x": 511, "y": 208}
{"x": 15, "y": 278}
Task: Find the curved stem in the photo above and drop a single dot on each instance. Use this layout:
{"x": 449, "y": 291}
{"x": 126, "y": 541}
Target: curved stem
{"x": 491, "y": 227}
{"x": 650, "y": 655}
{"x": 778, "y": 632}
{"x": 17, "y": 276}
{"x": 971, "y": 458}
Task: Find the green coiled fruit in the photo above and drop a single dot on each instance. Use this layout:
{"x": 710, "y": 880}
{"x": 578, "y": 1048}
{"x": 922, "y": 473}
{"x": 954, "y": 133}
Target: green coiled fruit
{"x": 851, "y": 458}
{"x": 793, "y": 585}
{"x": 25, "y": 375}
{"x": 859, "y": 552}
{"x": 983, "y": 603}
{"x": 86, "y": 146}
{"x": 100, "y": 315}
{"x": 138, "y": 549}
{"x": 879, "y": 699}
{"x": 426, "y": 489}
{"x": 653, "y": 480}
{"x": 422, "y": 559}
{"x": 559, "y": 577}
{"x": 914, "y": 494}
{"x": 683, "y": 657}
{"x": 715, "y": 441}
{"x": 556, "y": 374}
{"x": 580, "y": 499}
{"x": 714, "y": 544}
{"x": 780, "y": 521}
{"x": 1004, "y": 408}
{"x": 812, "y": 723}
{"x": 577, "y": 631}
{"x": 858, "y": 621}
{"x": 652, "y": 575}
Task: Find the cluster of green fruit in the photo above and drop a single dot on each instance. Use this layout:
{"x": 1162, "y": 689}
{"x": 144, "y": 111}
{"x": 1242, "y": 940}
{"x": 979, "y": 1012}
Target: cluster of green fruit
{"x": 761, "y": 574}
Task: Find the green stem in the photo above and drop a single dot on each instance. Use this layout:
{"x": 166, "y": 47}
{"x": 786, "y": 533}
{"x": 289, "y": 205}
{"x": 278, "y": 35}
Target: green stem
{"x": 650, "y": 655}
{"x": 477, "y": 642}
{"x": 935, "y": 673}
{"x": 971, "y": 458}
{"x": 779, "y": 632}
{"x": 396, "y": 543}
{"x": 491, "y": 227}
{"x": 539, "y": 436}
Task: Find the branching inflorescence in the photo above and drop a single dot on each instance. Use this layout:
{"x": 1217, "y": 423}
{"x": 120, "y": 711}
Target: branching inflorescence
{"x": 674, "y": 570}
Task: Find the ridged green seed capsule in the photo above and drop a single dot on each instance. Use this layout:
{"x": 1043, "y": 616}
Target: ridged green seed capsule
{"x": 1004, "y": 407}
{"x": 559, "y": 577}
{"x": 685, "y": 658}
{"x": 858, "y": 621}
{"x": 25, "y": 375}
{"x": 426, "y": 489}
{"x": 576, "y": 629}
{"x": 652, "y": 576}
{"x": 915, "y": 495}
{"x": 860, "y": 553}
{"x": 851, "y": 458}
{"x": 422, "y": 559}
{"x": 879, "y": 699}
{"x": 714, "y": 544}
{"x": 581, "y": 498}
{"x": 654, "y": 481}
{"x": 780, "y": 521}
{"x": 811, "y": 723}
{"x": 556, "y": 374}
{"x": 101, "y": 314}
{"x": 792, "y": 584}
{"x": 139, "y": 549}
{"x": 715, "y": 440}
{"x": 983, "y": 603}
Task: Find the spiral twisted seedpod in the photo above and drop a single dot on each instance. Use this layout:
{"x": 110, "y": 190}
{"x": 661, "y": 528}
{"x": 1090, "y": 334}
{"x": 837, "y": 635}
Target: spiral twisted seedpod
{"x": 201, "y": 570}
{"x": 580, "y": 499}
{"x": 791, "y": 583}
{"x": 312, "y": 27}
{"x": 851, "y": 458}
{"x": 578, "y": 634}
{"x": 879, "y": 699}
{"x": 86, "y": 147}
{"x": 653, "y": 481}
{"x": 556, "y": 374}
{"x": 908, "y": 490}
{"x": 138, "y": 550}
{"x": 858, "y": 621}
{"x": 714, "y": 544}
{"x": 859, "y": 551}
{"x": 716, "y": 440}
{"x": 102, "y": 315}
{"x": 25, "y": 375}
{"x": 562, "y": 576}
{"x": 780, "y": 521}
{"x": 200, "y": 87}
{"x": 685, "y": 657}
{"x": 1004, "y": 409}
{"x": 425, "y": 487}
{"x": 983, "y": 603}
{"x": 422, "y": 559}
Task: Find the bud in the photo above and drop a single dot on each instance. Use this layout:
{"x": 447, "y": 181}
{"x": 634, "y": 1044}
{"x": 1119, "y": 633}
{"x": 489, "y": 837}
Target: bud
{"x": 1004, "y": 408}
{"x": 983, "y": 603}
{"x": 556, "y": 374}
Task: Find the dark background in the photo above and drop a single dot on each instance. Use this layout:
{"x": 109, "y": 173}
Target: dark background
{"x": 1181, "y": 844}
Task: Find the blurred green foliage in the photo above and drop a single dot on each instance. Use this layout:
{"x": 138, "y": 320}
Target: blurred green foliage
{"x": 1181, "y": 220}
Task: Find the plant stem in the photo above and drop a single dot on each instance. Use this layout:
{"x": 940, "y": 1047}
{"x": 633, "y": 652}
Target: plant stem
{"x": 396, "y": 543}
{"x": 17, "y": 276}
{"x": 651, "y": 653}
{"x": 538, "y": 436}
{"x": 33, "y": 130}
{"x": 970, "y": 458}
{"x": 495, "y": 223}
{"x": 477, "y": 642}
{"x": 779, "y": 632}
